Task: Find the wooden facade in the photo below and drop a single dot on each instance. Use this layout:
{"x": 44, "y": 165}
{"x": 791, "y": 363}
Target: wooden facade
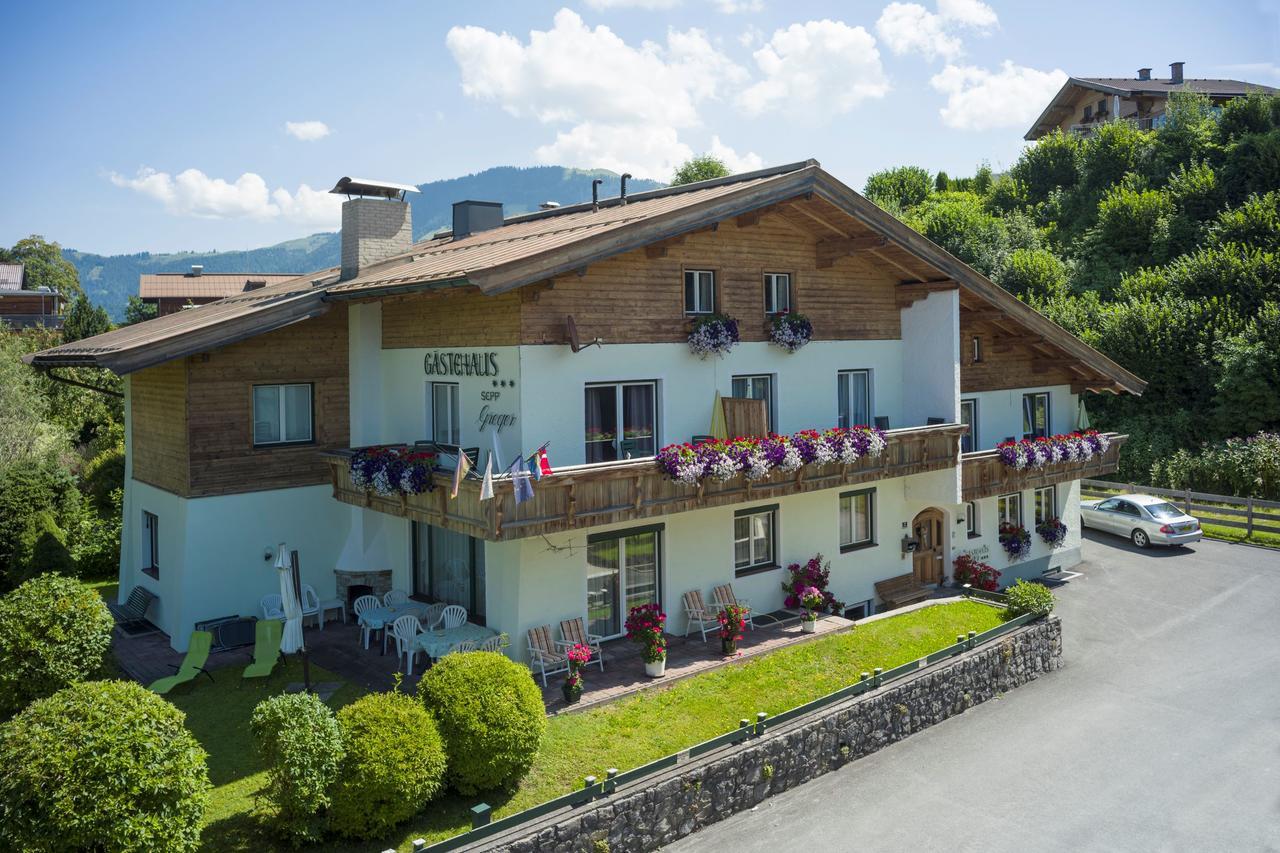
{"x": 453, "y": 318}
{"x": 1008, "y": 360}
{"x": 588, "y": 495}
{"x": 158, "y": 427}
{"x": 984, "y": 475}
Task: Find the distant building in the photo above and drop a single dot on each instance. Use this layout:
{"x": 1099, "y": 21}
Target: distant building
{"x": 23, "y": 309}
{"x": 1085, "y": 102}
{"x": 173, "y": 291}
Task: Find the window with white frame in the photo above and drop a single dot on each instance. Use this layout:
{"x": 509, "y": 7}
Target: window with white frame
{"x": 446, "y": 419}
{"x": 969, "y": 417}
{"x": 757, "y": 387}
{"x": 699, "y": 291}
{"x": 853, "y": 398}
{"x": 857, "y": 519}
{"x": 281, "y": 414}
{"x": 1046, "y": 504}
{"x": 1035, "y": 415}
{"x": 777, "y": 292}
{"x": 755, "y": 539}
{"x": 973, "y": 525}
{"x": 150, "y": 544}
{"x": 621, "y": 421}
{"x": 1009, "y": 509}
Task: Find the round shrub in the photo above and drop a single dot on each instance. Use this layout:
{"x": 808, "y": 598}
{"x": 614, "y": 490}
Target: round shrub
{"x": 394, "y": 764}
{"x": 53, "y": 632}
{"x": 301, "y": 743}
{"x": 101, "y": 765}
{"x": 1027, "y": 597}
{"x": 491, "y": 715}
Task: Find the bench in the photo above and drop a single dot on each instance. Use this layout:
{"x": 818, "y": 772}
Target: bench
{"x": 900, "y": 591}
{"x": 131, "y": 617}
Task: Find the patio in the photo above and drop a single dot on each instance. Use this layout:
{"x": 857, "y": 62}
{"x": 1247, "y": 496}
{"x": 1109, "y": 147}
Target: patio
{"x": 338, "y": 649}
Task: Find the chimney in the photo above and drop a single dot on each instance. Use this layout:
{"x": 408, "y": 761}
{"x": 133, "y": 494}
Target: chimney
{"x": 472, "y": 217}
{"x": 1144, "y": 73}
{"x": 376, "y": 222}
{"x": 197, "y": 269}
{"x": 1175, "y": 72}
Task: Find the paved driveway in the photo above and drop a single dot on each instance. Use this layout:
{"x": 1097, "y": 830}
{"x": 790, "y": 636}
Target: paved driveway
{"x": 1161, "y": 732}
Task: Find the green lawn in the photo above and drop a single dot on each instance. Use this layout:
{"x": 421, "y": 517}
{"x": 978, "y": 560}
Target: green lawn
{"x": 623, "y": 734}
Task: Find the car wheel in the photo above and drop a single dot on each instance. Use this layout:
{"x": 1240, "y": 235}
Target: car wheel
{"x": 1140, "y": 538}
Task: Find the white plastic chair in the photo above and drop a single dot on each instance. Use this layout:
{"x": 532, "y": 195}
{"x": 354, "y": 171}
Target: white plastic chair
{"x": 272, "y": 606}
{"x": 405, "y": 630}
{"x": 431, "y": 618}
{"x": 453, "y": 616}
{"x": 460, "y": 648}
{"x": 361, "y": 605}
{"x": 311, "y": 604}
{"x": 323, "y": 606}
{"x": 395, "y": 596}
{"x": 495, "y": 644}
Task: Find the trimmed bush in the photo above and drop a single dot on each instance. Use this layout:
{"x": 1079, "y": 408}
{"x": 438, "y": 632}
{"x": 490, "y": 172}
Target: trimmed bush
{"x": 491, "y": 715}
{"x": 1027, "y": 597}
{"x": 53, "y": 632}
{"x": 101, "y": 765}
{"x": 394, "y": 765}
{"x": 301, "y": 743}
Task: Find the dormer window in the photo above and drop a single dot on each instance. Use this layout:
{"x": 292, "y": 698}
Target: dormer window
{"x": 699, "y": 292}
{"x": 777, "y": 292}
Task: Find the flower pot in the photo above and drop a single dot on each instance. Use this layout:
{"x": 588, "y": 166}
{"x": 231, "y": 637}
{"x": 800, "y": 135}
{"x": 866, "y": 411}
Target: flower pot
{"x": 657, "y": 668}
{"x": 809, "y": 626}
{"x": 572, "y": 693}
{"x": 728, "y": 647}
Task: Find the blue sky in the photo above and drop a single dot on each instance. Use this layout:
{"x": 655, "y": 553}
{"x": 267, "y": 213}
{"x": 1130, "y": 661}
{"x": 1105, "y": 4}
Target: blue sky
{"x": 171, "y": 126}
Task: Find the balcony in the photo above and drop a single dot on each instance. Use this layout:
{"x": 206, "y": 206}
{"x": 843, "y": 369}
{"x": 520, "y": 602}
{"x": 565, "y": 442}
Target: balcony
{"x": 581, "y": 496}
{"x": 984, "y": 475}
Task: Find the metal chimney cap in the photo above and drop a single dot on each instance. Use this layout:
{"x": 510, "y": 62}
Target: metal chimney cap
{"x": 366, "y": 187}
{"x": 549, "y": 205}
{"x": 197, "y": 269}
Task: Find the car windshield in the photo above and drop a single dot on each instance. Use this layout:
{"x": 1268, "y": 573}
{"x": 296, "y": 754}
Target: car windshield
{"x": 1164, "y": 510}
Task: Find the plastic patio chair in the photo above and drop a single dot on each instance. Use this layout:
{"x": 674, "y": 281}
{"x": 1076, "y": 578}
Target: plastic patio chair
{"x": 192, "y": 665}
{"x": 697, "y": 615}
{"x": 405, "y": 631}
{"x": 543, "y": 653}
{"x": 463, "y": 647}
{"x": 272, "y": 606}
{"x": 360, "y": 606}
{"x": 453, "y": 616}
{"x": 395, "y": 596}
{"x": 573, "y": 632}
{"x": 724, "y": 596}
{"x": 431, "y": 617}
{"x": 267, "y": 634}
{"x": 311, "y": 604}
{"x": 495, "y": 644}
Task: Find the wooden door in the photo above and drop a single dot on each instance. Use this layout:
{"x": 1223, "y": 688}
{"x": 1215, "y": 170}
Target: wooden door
{"x": 927, "y": 529}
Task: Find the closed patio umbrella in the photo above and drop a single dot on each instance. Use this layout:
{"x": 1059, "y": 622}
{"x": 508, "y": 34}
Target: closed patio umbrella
{"x": 719, "y": 428}
{"x": 292, "y": 640}
{"x": 1082, "y": 416}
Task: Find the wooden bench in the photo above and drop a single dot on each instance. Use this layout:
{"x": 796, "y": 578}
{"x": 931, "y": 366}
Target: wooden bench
{"x": 899, "y": 591}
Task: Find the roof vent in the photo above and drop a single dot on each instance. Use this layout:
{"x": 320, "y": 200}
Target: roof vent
{"x": 472, "y": 217}
{"x": 1175, "y": 72}
{"x": 197, "y": 269}
{"x": 1144, "y": 73}
{"x": 549, "y": 205}
{"x": 254, "y": 284}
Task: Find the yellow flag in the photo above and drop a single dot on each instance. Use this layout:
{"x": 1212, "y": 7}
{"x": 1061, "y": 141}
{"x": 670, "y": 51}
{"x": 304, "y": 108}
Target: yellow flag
{"x": 464, "y": 465}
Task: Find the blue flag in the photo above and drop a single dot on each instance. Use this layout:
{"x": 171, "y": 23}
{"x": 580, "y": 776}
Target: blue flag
{"x": 520, "y": 478}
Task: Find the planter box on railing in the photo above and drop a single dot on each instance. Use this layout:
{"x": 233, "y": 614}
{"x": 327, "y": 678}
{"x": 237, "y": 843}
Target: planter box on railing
{"x": 985, "y": 475}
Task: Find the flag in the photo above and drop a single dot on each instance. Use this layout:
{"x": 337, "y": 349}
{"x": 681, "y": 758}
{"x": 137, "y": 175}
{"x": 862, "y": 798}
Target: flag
{"x": 497, "y": 448}
{"x": 534, "y": 469}
{"x": 520, "y": 480}
{"x": 486, "y": 488}
{"x": 460, "y": 472}
{"x": 544, "y": 464}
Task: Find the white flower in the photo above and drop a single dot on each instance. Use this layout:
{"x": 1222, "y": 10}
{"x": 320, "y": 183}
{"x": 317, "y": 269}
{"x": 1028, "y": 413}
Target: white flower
{"x": 791, "y": 460}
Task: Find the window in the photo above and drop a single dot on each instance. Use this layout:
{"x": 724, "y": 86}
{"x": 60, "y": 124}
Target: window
{"x": 699, "y": 291}
{"x": 1009, "y": 509}
{"x": 150, "y": 544}
{"x": 621, "y": 421}
{"x": 975, "y": 351}
{"x": 969, "y": 417}
{"x": 623, "y": 571}
{"x": 853, "y": 398}
{"x": 446, "y": 420}
{"x": 754, "y": 534}
{"x": 281, "y": 414}
{"x": 448, "y": 567}
{"x": 1035, "y": 415}
{"x": 757, "y": 388}
{"x": 972, "y": 523}
{"x": 777, "y": 292}
{"x": 1046, "y": 504}
{"x": 1088, "y": 112}
{"x": 857, "y": 519}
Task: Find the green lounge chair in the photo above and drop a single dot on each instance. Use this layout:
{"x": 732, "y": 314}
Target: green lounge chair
{"x": 266, "y": 648}
{"x": 192, "y": 664}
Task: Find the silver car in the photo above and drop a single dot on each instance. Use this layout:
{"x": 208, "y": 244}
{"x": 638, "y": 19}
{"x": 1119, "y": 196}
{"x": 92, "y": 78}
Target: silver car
{"x": 1144, "y": 519}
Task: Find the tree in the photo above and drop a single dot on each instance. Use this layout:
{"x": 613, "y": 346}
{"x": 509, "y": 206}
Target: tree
{"x": 960, "y": 223}
{"x": 136, "y": 311}
{"x": 899, "y": 190}
{"x": 704, "y": 167}
{"x": 1033, "y": 272}
{"x": 1249, "y": 382}
{"x": 1051, "y": 164}
{"x": 45, "y": 266}
{"x": 84, "y": 320}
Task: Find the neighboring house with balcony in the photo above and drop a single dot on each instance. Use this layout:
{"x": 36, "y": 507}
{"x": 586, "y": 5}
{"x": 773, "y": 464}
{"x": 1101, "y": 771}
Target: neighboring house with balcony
{"x": 23, "y": 309}
{"x": 1083, "y": 103}
{"x": 175, "y": 291}
{"x": 568, "y": 328}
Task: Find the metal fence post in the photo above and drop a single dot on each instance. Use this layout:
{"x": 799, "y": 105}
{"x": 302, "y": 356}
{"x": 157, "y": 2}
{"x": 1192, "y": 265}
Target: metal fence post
{"x": 481, "y": 814}
{"x": 609, "y": 776}
{"x": 419, "y": 844}
{"x": 878, "y": 671}
{"x": 972, "y": 635}
{"x": 760, "y": 716}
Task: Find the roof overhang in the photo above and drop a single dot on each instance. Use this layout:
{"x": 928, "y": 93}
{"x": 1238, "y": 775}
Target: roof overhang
{"x": 1045, "y": 122}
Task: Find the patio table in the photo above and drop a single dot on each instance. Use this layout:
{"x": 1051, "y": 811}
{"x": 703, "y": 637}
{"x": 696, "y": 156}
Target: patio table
{"x": 437, "y": 643}
{"x": 378, "y": 618}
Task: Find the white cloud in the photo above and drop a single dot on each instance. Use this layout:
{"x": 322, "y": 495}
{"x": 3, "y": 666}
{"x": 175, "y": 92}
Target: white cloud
{"x": 602, "y": 5}
{"x": 193, "y": 193}
{"x": 307, "y": 131}
{"x": 734, "y": 7}
{"x": 748, "y": 162}
{"x": 826, "y": 63}
{"x": 911, "y": 28}
{"x": 979, "y": 99}
{"x": 646, "y": 151}
{"x": 750, "y": 37}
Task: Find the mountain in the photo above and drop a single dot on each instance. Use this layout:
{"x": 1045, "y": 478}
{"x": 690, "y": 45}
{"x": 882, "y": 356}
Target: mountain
{"x": 109, "y": 280}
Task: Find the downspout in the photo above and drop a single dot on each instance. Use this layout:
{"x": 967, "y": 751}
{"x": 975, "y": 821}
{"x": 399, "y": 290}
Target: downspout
{"x": 66, "y": 380}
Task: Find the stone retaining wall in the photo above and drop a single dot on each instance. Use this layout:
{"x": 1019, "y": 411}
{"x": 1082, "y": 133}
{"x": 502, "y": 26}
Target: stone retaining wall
{"x": 658, "y": 810}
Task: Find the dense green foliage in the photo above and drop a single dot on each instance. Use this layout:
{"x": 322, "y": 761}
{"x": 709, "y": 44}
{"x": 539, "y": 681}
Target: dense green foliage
{"x": 394, "y": 765}
{"x": 43, "y": 266}
{"x": 301, "y": 743}
{"x": 102, "y": 765}
{"x": 1248, "y": 467}
{"x": 83, "y": 320}
{"x": 1160, "y": 248}
{"x": 53, "y": 632}
{"x": 704, "y": 167}
{"x": 491, "y": 716}
{"x": 1027, "y": 597}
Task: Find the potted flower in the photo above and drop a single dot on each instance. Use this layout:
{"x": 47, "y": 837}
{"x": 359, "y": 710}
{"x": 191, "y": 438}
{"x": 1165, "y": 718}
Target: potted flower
{"x": 579, "y": 656}
{"x": 733, "y": 621}
{"x": 813, "y": 602}
{"x": 811, "y": 576}
{"x": 645, "y": 624}
{"x": 1015, "y": 540}
{"x": 967, "y": 570}
{"x": 713, "y": 334}
{"x": 790, "y": 331}
{"x": 1053, "y": 532}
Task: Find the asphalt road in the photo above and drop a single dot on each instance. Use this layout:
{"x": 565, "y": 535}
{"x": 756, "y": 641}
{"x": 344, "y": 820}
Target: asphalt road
{"x": 1161, "y": 732}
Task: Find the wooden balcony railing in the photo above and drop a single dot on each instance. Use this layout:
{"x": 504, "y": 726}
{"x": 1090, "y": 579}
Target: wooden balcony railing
{"x": 985, "y": 475}
{"x": 588, "y": 495}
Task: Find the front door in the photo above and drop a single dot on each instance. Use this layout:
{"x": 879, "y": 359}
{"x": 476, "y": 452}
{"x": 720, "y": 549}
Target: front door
{"x": 927, "y": 529}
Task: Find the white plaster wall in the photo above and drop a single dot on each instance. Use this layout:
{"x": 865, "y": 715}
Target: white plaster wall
{"x": 1042, "y": 558}
{"x": 171, "y": 511}
{"x": 1000, "y": 412}
{"x": 931, "y": 359}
